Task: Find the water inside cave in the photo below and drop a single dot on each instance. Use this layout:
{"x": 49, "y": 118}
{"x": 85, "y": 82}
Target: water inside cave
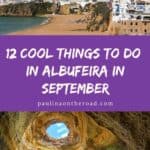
{"x": 57, "y": 130}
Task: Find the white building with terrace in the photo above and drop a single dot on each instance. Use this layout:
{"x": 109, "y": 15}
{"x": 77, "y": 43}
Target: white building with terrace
{"x": 131, "y": 10}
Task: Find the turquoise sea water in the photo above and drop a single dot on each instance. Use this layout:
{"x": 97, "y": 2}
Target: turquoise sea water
{"x": 12, "y": 24}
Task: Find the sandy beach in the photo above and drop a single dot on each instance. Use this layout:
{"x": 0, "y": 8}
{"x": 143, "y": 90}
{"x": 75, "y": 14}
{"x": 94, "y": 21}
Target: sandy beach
{"x": 60, "y": 25}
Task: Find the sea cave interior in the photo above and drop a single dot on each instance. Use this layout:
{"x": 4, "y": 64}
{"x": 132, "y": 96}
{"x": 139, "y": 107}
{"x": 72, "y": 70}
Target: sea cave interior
{"x": 74, "y": 131}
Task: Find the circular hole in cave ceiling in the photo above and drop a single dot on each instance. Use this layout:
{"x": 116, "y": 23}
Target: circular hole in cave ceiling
{"x": 58, "y": 130}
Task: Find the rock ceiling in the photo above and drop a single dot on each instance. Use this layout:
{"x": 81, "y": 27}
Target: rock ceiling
{"x": 88, "y": 131}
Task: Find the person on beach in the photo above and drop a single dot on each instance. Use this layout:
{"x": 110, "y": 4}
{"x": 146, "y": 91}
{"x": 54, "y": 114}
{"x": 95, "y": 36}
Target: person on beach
{"x": 56, "y": 6}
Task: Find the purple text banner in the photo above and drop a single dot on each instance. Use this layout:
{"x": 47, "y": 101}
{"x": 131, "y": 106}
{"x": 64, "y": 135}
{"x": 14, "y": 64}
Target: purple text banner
{"x": 45, "y": 90}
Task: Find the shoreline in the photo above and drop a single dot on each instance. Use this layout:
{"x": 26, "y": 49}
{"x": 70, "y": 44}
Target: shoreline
{"x": 16, "y": 24}
{"x": 59, "y": 25}
{"x": 47, "y": 20}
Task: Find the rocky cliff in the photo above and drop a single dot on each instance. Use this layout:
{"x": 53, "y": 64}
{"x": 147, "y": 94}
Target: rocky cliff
{"x": 98, "y": 17}
{"x": 25, "y": 9}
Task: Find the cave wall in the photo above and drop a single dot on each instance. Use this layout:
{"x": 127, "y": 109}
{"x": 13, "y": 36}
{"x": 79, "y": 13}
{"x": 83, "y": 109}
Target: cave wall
{"x": 89, "y": 131}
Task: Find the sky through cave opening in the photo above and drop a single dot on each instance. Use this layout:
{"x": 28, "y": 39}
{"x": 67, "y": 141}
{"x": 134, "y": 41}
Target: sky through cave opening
{"x": 57, "y": 130}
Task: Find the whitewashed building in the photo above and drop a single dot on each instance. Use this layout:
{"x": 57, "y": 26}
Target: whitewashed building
{"x": 131, "y": 10}
{"x": 62, "y": 2}
{"x": 82, "y": 3}
{"x": 7, "y": 2}
{"x": 3, "y": 2}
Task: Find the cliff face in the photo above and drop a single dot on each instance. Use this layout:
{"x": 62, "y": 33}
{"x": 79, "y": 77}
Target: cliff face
{"x": 98, "y": 17}
{"x": 15, "y": 10}
{"x": 88, "y": 131}
{"x": 25, "y": 9}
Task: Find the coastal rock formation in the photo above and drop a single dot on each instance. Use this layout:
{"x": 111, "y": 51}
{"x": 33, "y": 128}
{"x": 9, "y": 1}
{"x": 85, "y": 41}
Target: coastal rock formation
{"x": 25, "y": 9}
{"x": 88, "y": 131}
{"x": 11, "y": 10}
{"x": 65, "y": 9}
{"x": 98, "y": 17}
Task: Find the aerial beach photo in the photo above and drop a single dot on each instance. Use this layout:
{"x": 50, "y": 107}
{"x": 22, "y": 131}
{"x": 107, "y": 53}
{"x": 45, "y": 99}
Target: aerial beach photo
{"x": 75, "y": 17}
